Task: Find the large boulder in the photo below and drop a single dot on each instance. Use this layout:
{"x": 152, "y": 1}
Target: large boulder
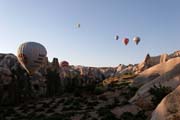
{"x": 169, "y": 107}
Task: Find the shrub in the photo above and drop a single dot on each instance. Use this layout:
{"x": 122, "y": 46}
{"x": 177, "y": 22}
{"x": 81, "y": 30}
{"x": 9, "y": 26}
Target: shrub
{"x": 68, "y": 101}
{"x": 141, "y": 115}
{"x": 129, "y": 116}
{"x": 158, "y": 93}
{"x": 39, "y": 117}
{"x": 98, "y": 90}
{"x": 56, "y": 116}
{"x": 103, "y": 98}
{"x": 102, "y": 111}
{"x": 129, "y": 92}
{"x": 106, "y": 114}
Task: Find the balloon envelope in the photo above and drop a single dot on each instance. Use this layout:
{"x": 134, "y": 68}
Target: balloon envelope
{"x": 31, "y": 56}
{"x": 125, "y": 41}
{"x": 116, "y": 37}
{"x": 64, "y": 64}
{"x": 136, "y": 40}
{"x": 78, "y": 25}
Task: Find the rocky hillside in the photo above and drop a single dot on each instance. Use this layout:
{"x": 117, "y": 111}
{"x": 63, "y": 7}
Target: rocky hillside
{"x": 125, "y": 92}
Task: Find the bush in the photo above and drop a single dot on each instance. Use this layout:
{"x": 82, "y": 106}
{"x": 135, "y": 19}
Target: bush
{"x": 109, "y": 116}
{"x": 158, "y": 93}
{"x": 103, "y": 98}
{"x": 103, "y": 111}
{"x": 98, "y": 90}
{"x": 39, "y": 117}
{"x": 92, "y": 103}
{"x": 130, "y": 92}
{"x": 141, "y": 115}
{"x": 129, "y": 116}
{"x": 106, "y": 114}
{"x": 69, "y": 101}
{"x": 56, "y": 116}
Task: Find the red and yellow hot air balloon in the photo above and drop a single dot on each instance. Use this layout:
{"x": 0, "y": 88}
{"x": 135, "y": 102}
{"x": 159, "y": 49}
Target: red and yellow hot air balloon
{"x": 125, "y": 41}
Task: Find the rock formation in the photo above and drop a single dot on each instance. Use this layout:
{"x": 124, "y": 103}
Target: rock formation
{"x": 165, "y": 74}
{"x": 169, "y": 107}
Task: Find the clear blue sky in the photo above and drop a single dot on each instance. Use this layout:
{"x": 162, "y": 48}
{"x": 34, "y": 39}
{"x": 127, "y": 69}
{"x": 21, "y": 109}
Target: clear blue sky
{"x": 52, "y": 23}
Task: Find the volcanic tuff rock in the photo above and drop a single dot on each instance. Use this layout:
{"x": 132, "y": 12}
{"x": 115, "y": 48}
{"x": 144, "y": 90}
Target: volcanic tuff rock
{"x": 166, "y": 74}
{"x": 16, "y": 86}
{"x": 169, "y": 107}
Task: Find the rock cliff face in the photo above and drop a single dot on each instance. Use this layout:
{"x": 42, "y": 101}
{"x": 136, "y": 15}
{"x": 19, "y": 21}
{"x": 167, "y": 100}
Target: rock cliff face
{"x": 150, "y": 61}
{"x": 165, "y": 74}
{"x": 15, "y": 80}
{"x": 169, "y": 108}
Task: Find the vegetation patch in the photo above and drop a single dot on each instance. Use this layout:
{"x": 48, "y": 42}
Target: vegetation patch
{"x": 158, "y": 93}
{"x": 129, "y": 116}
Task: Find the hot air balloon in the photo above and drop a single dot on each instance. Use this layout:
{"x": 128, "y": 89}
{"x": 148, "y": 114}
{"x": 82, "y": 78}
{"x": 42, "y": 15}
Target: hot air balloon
{"x": 116, "y": 37}
{"x": 78, "y": 25}
{"x": 31, "y": 56}
{"x": 125, "y": 41}
{"x": 64, "y": 64}
{"x": 136, "y": 40}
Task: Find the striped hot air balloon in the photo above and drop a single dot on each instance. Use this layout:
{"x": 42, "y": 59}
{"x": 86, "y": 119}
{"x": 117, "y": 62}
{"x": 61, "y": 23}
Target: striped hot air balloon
{"x": 31, "y": 56}
{"x": 116, "y": 37}
{"x": 136, "y": 40}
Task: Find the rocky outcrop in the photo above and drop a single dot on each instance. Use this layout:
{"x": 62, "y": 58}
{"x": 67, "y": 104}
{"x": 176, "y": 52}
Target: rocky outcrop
{"x": 175, "y": 54}
{"x": 8, "y": 60}
{"x": 169, "y": 107}
{"x": 156, "y": 71}
{"x": 15, "y": 80}
{"x": 90, "y": 75}
{"x": 146, "y": 63}
{"x": 150, "y": 61}
{"x": 166, "y": 74}
{"x": 108, "y": 71}
{"x": 120, "y": 68}
{"x": 163, "y": 58}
